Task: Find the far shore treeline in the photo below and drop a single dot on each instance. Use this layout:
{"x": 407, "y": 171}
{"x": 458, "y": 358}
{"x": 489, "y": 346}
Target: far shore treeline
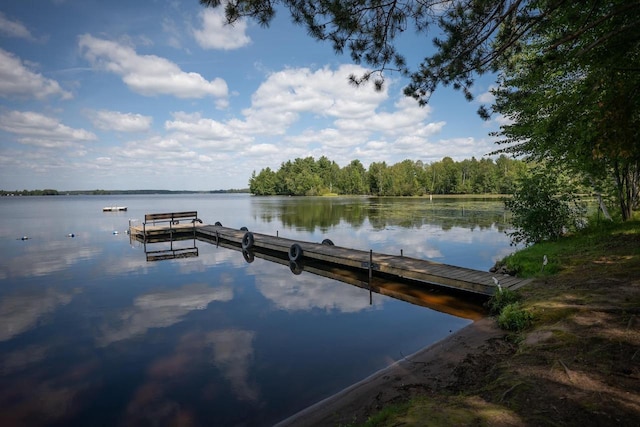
{"x": 308, "y": 177}
{"x": 51, "y": 192}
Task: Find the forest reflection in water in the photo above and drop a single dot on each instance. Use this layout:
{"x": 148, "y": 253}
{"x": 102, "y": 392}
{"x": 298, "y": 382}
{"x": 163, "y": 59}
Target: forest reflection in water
{"x": 309, "y": 213}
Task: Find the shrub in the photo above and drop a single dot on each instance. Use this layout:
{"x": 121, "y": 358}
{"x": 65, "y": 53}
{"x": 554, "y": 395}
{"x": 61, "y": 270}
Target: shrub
{"x": 543, "y": 208}
{"x": 513, "y": 318}
{"x": 500, "y": 300}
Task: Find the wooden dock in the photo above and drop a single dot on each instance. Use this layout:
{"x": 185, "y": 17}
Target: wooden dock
{"x": 401, "y": 267}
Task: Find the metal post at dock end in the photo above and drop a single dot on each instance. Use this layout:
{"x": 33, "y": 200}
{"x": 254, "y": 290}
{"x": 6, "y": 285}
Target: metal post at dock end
{"x": 217, "y": 238}
{"x": 277, "y": 232}
{"x": 370, "y": 276}
{"x": 401, "y": 254}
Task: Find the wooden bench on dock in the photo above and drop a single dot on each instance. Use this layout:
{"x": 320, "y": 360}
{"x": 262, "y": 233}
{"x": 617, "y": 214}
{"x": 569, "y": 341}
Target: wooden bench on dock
{"x": 165, "y": 223}
{"x": 171, "y": 217}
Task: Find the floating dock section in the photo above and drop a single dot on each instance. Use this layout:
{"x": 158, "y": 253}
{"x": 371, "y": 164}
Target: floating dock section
{"x": 398, "y": 266}
{"x": 114, "y": 209}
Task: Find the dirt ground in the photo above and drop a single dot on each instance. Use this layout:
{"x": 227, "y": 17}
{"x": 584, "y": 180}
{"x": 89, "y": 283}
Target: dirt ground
{"x": 578, "y": 365}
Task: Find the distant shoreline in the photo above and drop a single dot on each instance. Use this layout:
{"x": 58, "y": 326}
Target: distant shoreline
{"x": 50, "y": 192}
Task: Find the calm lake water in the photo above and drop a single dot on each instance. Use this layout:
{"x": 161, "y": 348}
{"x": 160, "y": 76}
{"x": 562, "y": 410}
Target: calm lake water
{"x": 93, "y": 334}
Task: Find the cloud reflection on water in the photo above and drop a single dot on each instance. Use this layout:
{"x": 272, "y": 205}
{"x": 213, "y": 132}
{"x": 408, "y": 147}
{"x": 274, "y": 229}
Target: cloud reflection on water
{"x": 44, "y": 258}
{"x": 229, "y": 351}
{"x": 233, "y": 355}
{"x": 22, "y": 311}
{"x": 159, "y": 310}
{"x": 306, "y": 292}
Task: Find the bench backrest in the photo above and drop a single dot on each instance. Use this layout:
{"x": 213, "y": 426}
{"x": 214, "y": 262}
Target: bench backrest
{"x": 170, "y": 216}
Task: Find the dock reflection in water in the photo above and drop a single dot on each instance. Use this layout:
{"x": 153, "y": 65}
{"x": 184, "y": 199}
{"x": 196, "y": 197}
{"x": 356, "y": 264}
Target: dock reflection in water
{"x": 449, "y": 301}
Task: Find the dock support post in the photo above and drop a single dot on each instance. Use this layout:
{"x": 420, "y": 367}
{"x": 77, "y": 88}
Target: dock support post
{"x": 277, "y": 232}
{"x": 217, "y": 238}
{"x": 401, "y": 252}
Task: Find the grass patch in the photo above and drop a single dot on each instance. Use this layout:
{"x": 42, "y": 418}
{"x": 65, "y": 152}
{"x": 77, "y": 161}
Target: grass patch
{"x": 387, "y": 414}
{"x": 448, "y": 410}
{"x": 572, "y": 250}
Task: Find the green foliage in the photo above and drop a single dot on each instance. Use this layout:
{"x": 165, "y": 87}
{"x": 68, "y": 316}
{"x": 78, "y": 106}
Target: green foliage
{"x": 45, "y": 192}
{"x": 543, "y": 208}
{"x": 514, "y": 318}
{"x": 308, "y": 177}
{"x": 581, "y": 111}
{"x": 500, "y": 299}
{"x": 529, "y": 262}
{"x": 505, "y": 304}
{"x": 386, "y": 414}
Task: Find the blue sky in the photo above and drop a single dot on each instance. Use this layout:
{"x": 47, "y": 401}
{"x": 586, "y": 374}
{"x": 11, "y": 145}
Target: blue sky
{"x": 160, "y": 94}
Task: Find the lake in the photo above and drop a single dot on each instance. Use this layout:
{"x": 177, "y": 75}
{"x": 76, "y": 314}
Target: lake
{"x": 91, "y": 333}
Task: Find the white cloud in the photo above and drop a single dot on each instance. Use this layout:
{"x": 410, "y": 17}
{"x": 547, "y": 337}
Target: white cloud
{"x": 192, "y": 128}
{"x": 155, "y": 148}
{"x": 40, "y": 130}
{"x": 217, "y": 34}
{"x": 264, "y": 149}
{"x": 14, "y": 28}
{"x": 17, "y": 80}
{"x": 150, "y": 75}
{"x": 120, "y": 122}
{"x": 487, "y": 97}
{"x": 325, "y": 93}
{"x": 503, "y": 120}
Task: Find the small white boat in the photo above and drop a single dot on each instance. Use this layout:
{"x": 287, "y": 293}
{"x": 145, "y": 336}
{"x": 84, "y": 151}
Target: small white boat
{"x": 114, "y": 208}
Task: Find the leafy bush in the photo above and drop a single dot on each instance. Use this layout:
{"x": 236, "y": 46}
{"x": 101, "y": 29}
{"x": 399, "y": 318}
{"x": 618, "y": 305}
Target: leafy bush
{"x": 514, "y": 318}
{"x": 543, "y": 207}
{"x": 500, "y": 300}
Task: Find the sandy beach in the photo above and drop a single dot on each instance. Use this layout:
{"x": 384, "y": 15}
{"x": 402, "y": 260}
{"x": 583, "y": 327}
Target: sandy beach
{"x": 429, "y": 369}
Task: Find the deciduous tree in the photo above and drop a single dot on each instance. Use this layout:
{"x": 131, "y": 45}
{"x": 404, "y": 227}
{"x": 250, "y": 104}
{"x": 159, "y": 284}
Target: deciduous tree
{"x": 582, "y": 113}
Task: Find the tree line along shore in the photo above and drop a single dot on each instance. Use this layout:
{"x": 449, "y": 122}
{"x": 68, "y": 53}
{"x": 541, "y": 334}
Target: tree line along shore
{"x": 310, "y": 177}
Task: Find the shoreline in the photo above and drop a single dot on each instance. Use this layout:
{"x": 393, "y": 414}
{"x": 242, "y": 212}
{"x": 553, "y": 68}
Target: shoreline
{"x": 430, "y": 368}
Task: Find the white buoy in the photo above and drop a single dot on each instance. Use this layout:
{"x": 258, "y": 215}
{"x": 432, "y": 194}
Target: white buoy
{"x": 71, "y": 235}
{"x": 115, "y": 232}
